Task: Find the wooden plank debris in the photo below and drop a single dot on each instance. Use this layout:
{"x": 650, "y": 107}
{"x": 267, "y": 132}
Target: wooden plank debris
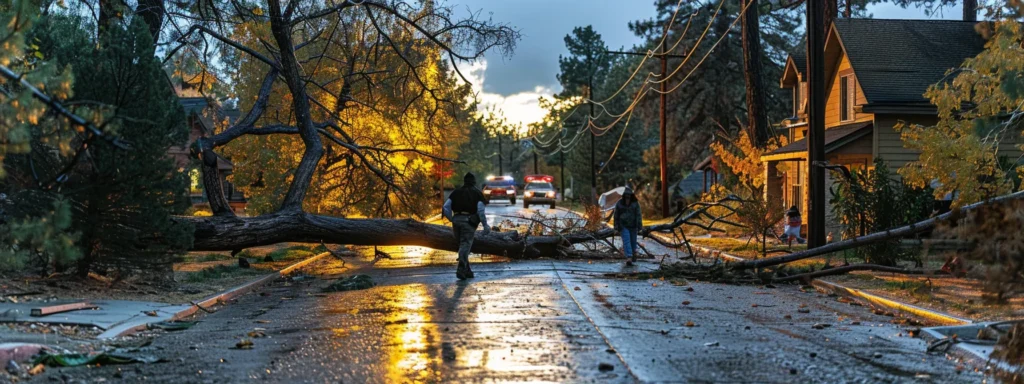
{"x": 49, "y": 310}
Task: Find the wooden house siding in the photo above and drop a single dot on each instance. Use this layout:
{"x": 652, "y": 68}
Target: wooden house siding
{"x": 888, "y": 145}
{"x": 832, "y": 103}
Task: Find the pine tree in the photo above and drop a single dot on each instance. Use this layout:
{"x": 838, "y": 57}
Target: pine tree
{"x": 121, "y": 200}
{"x": 43, "y": 233}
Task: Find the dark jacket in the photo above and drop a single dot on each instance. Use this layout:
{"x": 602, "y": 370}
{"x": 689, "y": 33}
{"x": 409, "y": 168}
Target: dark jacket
{"x": 628, "y": 217}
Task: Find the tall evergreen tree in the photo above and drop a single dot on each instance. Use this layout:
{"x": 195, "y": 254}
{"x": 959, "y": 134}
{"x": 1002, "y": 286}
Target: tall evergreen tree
{"x": 121, "y": 199}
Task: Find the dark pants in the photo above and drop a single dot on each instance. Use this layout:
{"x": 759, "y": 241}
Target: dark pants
{"x": 464, "y": 232}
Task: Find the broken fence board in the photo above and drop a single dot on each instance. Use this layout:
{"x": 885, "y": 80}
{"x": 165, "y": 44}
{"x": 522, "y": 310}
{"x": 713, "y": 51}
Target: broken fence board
{"x": 44, "y": 311}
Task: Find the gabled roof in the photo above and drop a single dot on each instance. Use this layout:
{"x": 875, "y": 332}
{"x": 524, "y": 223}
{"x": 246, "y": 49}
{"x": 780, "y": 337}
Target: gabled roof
{"x": 691, "y": 185}
{"x": 896, "y": 60}
{"x": 835, "y": 138}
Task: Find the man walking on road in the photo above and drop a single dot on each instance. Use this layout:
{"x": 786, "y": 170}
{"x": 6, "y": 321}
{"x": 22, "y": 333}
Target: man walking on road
{"x": 465, "y": 209}
{"x": 628, "y": 221}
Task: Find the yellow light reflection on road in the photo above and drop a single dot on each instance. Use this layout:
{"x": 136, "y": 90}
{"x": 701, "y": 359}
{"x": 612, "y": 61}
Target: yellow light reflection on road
{"x": 410, "y": 336}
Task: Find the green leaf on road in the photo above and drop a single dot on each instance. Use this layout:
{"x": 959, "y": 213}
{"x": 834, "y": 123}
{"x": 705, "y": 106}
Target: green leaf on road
{"x": 351, "y": 283}
{"x": 78, "y": 359}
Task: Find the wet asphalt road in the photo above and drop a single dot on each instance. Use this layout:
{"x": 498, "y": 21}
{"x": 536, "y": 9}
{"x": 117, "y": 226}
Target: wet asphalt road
{"x": 535, "y": 321}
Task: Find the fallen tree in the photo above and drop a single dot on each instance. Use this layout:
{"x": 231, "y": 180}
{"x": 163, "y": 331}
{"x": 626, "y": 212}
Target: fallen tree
{"x": 895, "y": 233}
{"x": 219, "y": 233}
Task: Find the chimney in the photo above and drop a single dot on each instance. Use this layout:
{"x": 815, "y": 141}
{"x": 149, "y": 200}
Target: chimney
{"x": 970, "y": 10}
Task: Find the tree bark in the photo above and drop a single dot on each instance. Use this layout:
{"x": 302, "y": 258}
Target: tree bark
{"x": 231, "y": 233}
{"x": 856, "y": 267}
{"x": 152, "y": 11}
{"x": 213, "y": 187}
{"x": 970, "y": 10}
{"x": 292, "y": 73}
{"x": 831, "y": 11}
{"x": 757, "y": 117}
{"x": 896, "y": 233}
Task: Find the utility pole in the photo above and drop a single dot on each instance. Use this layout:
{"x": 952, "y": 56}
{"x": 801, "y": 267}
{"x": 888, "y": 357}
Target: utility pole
{"x": 662, "y": 115}
{"x": 593, "y": 162}
{"x": 663, "y": 160}
{"x": 501, "y": 171}
{"x": 816, "y": 122}
{"x": 561, "y": 170}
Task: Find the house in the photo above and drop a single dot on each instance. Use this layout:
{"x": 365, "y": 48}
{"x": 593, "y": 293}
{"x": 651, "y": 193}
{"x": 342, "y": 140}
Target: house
{"x": 202, "y": 117}
{"x": 877, "y": 72}
{"x": 708, "y": 169}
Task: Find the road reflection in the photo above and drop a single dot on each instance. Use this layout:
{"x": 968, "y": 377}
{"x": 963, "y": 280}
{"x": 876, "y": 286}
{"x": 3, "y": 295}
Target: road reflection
{"x": 414, "y": 256}
{"x": 411, "y": 336}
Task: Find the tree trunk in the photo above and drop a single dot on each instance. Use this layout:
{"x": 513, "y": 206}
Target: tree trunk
{"x": 231, "y": 233}
{"x": 292, "y": 73}
{"x": 831, "y": 11}
{"x": 857, "y": 267}
{"x": 152, "y": 11}
{"x": 891, "y": 234}
{"x": 970, "y": 10}
{"x": 110, "y": 11}
{"x": 757, "y": 118}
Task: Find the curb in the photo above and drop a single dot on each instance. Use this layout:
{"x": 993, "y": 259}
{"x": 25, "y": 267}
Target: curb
{"x": 935, "y": 316}
{"x": 130, "y": 328}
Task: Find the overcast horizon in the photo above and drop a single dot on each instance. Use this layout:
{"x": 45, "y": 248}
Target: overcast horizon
{"x": 514, "y": 84}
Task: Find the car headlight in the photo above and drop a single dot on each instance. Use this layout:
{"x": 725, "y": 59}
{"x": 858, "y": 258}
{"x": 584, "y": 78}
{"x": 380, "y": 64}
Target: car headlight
{"x": 487, "y": 191}
{"x": 511, "y": 191}
{"x": 551, "y": 194}
{"x": 528, "y": 194}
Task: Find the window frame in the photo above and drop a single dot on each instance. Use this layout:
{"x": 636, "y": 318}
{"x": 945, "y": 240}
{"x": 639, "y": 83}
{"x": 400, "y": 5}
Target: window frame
{"x": 847, "y": 97}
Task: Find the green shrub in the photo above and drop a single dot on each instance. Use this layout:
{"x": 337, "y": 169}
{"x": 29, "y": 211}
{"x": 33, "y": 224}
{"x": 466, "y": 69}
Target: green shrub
{"x": 872, "y": 201}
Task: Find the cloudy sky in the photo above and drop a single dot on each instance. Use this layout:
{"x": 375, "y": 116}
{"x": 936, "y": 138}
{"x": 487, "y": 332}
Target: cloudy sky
{"x": 513, "y": 84}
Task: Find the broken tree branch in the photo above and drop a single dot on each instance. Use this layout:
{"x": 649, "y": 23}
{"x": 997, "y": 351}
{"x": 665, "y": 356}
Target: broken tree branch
{"x": 856, "y": 267}
{"x": 915, "y": 228}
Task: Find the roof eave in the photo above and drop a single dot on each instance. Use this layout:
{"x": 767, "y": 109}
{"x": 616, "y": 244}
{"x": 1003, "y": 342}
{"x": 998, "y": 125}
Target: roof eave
{"x": 912, "y": 108}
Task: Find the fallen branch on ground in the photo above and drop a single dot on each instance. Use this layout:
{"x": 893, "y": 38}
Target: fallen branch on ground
{"x": 857, "y": 267}
{"x": 912, "y": 229}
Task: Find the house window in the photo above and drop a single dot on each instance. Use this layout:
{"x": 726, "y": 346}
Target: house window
{"x": 803, "y": 96}
{"x": 846, "y": 96}
{"x": 796, "y": 187}
{"x": 796, "y": 101}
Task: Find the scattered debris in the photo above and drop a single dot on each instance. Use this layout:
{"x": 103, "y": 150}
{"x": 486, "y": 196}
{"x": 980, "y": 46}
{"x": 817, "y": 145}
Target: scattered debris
{"x": 610, "y": 350}
{"x": 351, "y": 283}
{"x": 13, "y": 368}
{"x": 821, "y": 326}
{"x": 686, "y": 303}
{"x": 244, "y": 344}
{"x": 711, "y": 344}
{"x": 257, "y": 333}
{"x": 39, "y": 368}
{"x": 49, "y": 310}
{"x": 399, "y": 321}
{"x": 78, "y": 359}
{"x": 803, "y": 310}
{"x": 690, "y": 324}
{"x": 150, "y": 313}
{"x": 173, "y": 325}
{"x": 605, "y": 367}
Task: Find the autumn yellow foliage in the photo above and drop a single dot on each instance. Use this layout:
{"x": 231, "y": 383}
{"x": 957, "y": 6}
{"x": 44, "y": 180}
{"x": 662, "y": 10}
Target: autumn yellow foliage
{"x": 968, "y": 154}
{"x": 743, "y": 158}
